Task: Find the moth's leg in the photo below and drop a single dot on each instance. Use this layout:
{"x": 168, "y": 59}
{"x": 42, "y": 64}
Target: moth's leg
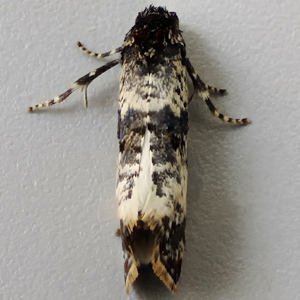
{"x": 198, "y": 83}
{"x": 98, "y": 55}
{"x": 214, "y": 89}
{"x": 81, "y": 83}
{"x": 224, "y": 118}
{"x": 203, "y": 91}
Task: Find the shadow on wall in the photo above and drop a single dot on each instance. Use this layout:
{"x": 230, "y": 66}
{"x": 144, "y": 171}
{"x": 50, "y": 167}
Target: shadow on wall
{"x": 214, "y": 220}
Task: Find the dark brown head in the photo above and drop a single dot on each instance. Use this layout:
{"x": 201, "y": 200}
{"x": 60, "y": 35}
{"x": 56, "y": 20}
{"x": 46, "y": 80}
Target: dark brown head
{"x": 154, "y": 27}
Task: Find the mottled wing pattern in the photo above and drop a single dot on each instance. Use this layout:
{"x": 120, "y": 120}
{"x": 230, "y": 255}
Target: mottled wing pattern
{"x": 152, "y": 175}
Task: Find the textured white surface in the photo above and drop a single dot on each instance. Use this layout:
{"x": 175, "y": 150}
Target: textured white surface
{"x": 57, "y": 187}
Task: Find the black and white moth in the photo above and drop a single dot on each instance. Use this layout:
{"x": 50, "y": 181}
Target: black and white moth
{"x": 152, "y": 133}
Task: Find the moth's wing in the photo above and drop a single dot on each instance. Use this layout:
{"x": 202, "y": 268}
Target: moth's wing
{"x": 169, "y": 176}
{"x": 131, "y": 133}
{"x": 152, "y": 177}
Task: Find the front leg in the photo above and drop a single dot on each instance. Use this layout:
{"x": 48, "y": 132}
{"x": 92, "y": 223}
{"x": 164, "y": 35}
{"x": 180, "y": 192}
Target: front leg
{"x": 98, "y": 55}
{"x": 203, "y": 91}
{"x": 82, "y": 83}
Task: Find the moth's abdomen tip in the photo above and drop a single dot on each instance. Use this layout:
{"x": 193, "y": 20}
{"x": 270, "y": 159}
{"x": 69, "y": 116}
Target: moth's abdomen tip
{"x": 30, "y": 109}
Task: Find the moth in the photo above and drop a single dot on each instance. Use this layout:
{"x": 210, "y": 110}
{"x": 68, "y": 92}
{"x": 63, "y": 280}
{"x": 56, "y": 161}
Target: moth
{"x": 152, "y": 132}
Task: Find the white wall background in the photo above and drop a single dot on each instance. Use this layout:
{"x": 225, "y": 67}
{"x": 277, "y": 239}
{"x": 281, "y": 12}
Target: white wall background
{"x": 57, "y": 187}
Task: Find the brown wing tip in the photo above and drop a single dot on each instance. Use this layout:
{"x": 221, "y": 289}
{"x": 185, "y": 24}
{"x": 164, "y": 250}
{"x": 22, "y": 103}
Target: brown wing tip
{"x": 131, "y": 276}
{"x": 158, "y": 268}
{"x": 161, "y": 272}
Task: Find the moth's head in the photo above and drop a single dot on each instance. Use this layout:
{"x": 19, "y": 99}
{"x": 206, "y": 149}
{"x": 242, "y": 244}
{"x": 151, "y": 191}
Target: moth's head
{"x": 155, "y": 25}
{"x": 155, "y": 19}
